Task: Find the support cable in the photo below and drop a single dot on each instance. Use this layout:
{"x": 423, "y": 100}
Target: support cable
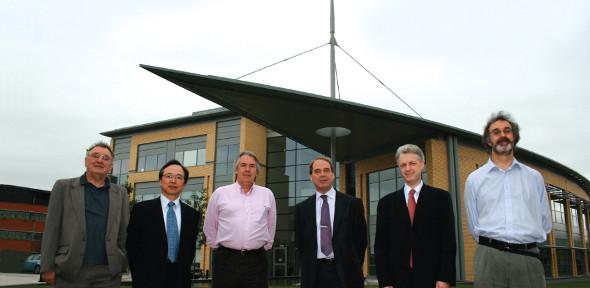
{"x": 286, "y": 59}
{"x": 381, "y": 82}
{"x": 337, "y": 82}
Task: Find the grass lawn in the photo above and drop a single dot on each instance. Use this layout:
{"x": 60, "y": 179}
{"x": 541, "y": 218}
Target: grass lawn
{"x": 568, "y": 283}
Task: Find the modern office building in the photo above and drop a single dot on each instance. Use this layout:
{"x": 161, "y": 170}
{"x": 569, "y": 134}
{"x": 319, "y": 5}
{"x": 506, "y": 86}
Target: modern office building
{"x": 22, "y": 221}
{"x": 283, "y": 128}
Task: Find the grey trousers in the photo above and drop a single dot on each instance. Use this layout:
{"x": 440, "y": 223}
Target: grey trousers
{"x": 495, "y": 268}
{"x": 91, "y": 276}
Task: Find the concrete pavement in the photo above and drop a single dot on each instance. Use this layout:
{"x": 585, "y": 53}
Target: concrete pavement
{"x": 12, "y": 279}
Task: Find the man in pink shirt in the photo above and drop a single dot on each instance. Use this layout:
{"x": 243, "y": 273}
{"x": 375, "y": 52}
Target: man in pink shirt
{"x": 240, "y": 225}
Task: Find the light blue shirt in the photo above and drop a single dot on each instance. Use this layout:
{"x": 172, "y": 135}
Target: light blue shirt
{"x": 508, "y": 205}
{"x": 164, "y": 201}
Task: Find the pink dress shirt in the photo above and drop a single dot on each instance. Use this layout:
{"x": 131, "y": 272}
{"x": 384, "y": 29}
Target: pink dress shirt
{"x": 241, "y": 221}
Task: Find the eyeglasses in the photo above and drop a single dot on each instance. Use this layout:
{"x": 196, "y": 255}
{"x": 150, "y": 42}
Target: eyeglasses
{"x": 498, "y": 132}
{"x": 100, "y": 156}
{"x": 176, "y": 177}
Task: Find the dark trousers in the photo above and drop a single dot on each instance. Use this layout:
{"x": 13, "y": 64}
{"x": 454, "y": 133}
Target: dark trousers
{"x": 232, "y": 269}
{"x": 171, "y": 274}
{"x": 327, "y": 276}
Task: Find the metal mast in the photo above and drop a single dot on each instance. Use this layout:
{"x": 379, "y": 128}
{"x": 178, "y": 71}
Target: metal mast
{"x": 332, "y": 79}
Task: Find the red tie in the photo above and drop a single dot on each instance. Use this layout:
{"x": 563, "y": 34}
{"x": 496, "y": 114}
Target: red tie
{"x": 412, "y": 205}
{"x": 412, "y": 210}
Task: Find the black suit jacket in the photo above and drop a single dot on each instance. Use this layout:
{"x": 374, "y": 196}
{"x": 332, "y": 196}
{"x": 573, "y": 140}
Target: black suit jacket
{"x": 349, "y": 240}
{"x": 147, "y": 247}
{"x": 432, "y": 239}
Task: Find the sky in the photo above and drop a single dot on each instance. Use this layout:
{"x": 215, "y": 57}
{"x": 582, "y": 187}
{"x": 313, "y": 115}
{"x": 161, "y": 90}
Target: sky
{"x": 69, "y": 70}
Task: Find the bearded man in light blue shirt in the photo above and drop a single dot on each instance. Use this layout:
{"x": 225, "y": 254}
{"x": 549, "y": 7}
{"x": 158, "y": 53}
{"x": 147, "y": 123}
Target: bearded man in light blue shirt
{"x": 507, "y": 212}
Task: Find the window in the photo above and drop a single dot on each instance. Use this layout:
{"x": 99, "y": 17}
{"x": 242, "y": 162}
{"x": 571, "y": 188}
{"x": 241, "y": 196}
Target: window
{"x": 189, "y": 151}
{"x": 559, "y": 227}
{"x": 576, "y": 233}
{"x": 564, "y": 262}
{"x": 121, "y": 149}
{"x": 227, "y": 150}
{"x": 151, "y": 156}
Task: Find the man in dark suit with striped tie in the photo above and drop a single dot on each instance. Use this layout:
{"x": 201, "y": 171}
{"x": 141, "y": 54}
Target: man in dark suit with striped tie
{"x": 162, "y": 234}
{"x": 330, "y": 233}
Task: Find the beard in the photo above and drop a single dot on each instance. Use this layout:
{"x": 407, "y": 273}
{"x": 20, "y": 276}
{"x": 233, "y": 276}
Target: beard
{"x": 503, "y": 147}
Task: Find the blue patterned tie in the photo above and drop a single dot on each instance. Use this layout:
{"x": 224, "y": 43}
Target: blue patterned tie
{"x": 172, "y": 233}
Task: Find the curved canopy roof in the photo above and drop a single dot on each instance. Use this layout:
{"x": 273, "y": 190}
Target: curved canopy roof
{"x": 298, "y": 115}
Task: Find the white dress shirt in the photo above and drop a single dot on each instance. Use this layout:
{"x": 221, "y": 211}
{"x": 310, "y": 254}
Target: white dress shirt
{"x": 417, "y": 190}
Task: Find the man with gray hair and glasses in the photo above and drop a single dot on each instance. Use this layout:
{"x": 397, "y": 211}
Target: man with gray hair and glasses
{"x": 507, "y": 212}
{"x": 240, "y": 225}
{"x": 415, "y": 238}
{"x": 85, "y": 229}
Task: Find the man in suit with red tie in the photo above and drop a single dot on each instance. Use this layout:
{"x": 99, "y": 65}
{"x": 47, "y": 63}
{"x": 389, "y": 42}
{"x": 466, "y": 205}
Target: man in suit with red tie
{"x": 162, "y": 234}
{"x": 415, "y": 238}
{"x": 330, "y": 233}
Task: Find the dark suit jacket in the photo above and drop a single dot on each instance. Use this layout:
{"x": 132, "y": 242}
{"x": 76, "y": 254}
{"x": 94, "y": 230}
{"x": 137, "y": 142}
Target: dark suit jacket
{"x": 147, "y": 246}
{"x": 432, "y": 239}
{"x": 349, "y": 240}
{"x": 64, "y": 244}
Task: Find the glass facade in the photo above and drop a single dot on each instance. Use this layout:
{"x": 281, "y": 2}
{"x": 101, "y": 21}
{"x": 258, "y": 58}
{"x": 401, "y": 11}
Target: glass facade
{"x": 226, "y": 151}
{"x": 576, "y": 231}
{"x": 122, "y": 147}
{"x": 189, "y": 151}
{"x": 381, "y": 183}
{"x": 569, "y": 213}
{"x": 564, "y": 262}
{"x": 559, "y": 223}
{"x": 288, "y": 178}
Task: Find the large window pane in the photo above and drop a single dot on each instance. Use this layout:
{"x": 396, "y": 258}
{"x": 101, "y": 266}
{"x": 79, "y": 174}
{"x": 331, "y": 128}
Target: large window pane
{"x": 141, "y": 164}
{"x": 580, "y": 262}
{"x": 116, "y": 167}
{"x": 124, "y": 166}
{"x": 161, "y": 161}
{"x": 276, "y": 144}
{"x": 151, "y": 162}
{"x": 190, "y": 158}
{"x": 564, "y": 262}
{"x": 179, "y": 156}
{"x": 305, "y": 156}
{"x": 201, "y": 156}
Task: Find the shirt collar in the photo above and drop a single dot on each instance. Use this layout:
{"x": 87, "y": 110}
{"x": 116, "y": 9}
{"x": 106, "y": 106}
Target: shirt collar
{"x": 331, "y": 194}
{"x": 490, "y": 165}
{"x": 237, "y": 185}
{"x": 416, "y": 189}
{"x": 84, "y": 181}
{"x": 165, "y": 201}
